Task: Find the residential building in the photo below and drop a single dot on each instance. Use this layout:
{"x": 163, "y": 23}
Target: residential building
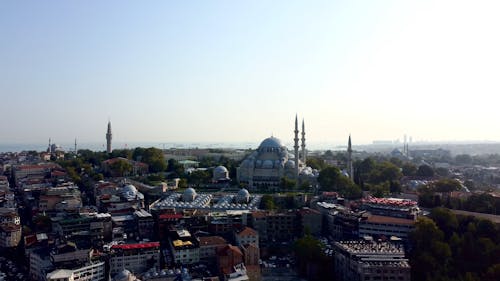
{"x": 88, "y": 272}
{"x": 228, "y": 257}
{"x": 209, "y": 246}
{"x": 246, "y": 236}
{"x": 134, "y": 257}
{"x": 378, "y": 226}
{"x": 368, "y": 260}
{"x": 184, "y": 247}
{"x": 10, "y": 235}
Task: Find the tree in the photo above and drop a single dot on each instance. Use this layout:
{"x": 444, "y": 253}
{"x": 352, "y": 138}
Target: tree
{"x": 152, "y": 156}
{"x": 121, "y": 168}
{"x": 425, "y": 171}
{"x": 385, "y": 171}
{"x": 267, "y": 202}
{"x": 199, "y": 177}
{"x": 446, "y": 185}
{"x": 430, "y": 257}
{"x": 286, "y": 183}
{"x": 316, "y": 163}
{"x": 409, "y": 169}
{"x": 328, "y": 178}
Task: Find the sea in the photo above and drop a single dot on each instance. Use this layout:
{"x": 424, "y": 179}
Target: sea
{"x": 94, "y": 146}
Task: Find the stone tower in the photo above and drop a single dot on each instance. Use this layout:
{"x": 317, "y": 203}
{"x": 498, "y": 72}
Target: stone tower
{"x": 296, "y": 149}
{"x": 303, "y": 145}
{"x": 109, "y": 136}
{"x": 349, "y": 159}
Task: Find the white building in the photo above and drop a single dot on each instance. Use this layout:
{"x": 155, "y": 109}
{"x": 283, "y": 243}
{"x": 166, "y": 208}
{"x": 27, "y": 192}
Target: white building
{"x": 134, "y": 257}
{"x": 246, "y": 236}
{"x": 377, "y": 226}
{"x": 91, "y": 272}
{"x": 185, "y": 248}
{"x": 361, "y": 260}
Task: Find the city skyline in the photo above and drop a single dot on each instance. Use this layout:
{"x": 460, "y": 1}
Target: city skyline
{"x": 239, "y": 72}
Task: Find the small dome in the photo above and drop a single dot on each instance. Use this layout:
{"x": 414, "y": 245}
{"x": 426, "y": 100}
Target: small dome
{"x": 189, "y": 195}
{"x": 220, "y": 173}
{"x": 290, "y": 164}
{"x": 271, "y": 142}
{"x": 122, "y": 275}
{"x": 129, "y": 189}
{"x": 221, "y": 169}
{"x": 243, "y": 196}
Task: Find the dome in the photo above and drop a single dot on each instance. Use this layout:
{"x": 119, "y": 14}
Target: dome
{"x": 267, "y": 164}
{"x": 122, "y": 275}
{"x": 290, "y": 164}
{"x": 220, "y": 173}
{"x": 189, "y": 195}
{"x": 220, "y": 169}
{"x": 129, "y": 189}
{"x": 271, "y": 142}
{"x": 243, "y": 196}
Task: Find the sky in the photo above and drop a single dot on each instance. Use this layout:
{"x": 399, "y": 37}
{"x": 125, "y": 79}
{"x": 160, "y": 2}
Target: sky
{"x": 239, "y": 71}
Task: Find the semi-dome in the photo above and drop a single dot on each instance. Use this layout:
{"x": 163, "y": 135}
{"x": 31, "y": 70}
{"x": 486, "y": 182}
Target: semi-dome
{"x": 271, "y": 142}
{"x": 243, "y": 196}
{"x": 267, "y": 164}
{"x": 189, "y": 195}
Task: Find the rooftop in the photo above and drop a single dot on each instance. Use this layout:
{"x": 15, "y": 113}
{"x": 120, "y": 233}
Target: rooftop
{"x": 362, "y": 247}
{"x": 389, "y": 220}
{"x": 137, "y": 246}
{"x": 212, "y": 240}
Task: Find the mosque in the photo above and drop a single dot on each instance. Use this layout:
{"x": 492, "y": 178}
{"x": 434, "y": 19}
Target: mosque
{"x": 272, "y": 161}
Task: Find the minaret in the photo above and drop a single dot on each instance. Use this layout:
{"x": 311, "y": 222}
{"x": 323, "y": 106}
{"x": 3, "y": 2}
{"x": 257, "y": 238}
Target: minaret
{"x": 303, "y": 146}
{"x": 49, "y": 150}
{"x": 108, "y": 138}
{"x": 349, "y": 159}
{"x": 296, "y": 148}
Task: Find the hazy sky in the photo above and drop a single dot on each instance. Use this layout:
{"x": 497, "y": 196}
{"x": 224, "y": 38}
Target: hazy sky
{"x": 169, "y": 71}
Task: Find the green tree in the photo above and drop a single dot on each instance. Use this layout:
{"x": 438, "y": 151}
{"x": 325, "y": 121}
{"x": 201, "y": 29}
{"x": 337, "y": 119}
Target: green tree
{"x": 199, "y": 177}
{"x": 425, "y": 171}
{"x": 328, "y": 179}
{"x": 287, "y": 184}
{"x": 121, "y": 168}
{"x": 431, "y": 256}
{"x": 316, "y": 163}
{"x": 267, "y": 202}
{"x": 446, "y": 185}
{"x": 408, "y": 169}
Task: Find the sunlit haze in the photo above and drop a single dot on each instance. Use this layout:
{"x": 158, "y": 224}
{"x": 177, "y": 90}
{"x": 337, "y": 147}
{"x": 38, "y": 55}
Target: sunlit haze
{"x": 235, "y": 71}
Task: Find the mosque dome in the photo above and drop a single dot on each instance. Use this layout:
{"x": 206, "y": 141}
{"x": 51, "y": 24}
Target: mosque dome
{"x": 271, "y": 142}
{"x": 220, "y": 173}
{"x": 123, "y": 275}
{"x": 189, "y": 195}
{"x": 130, "y": 192}
{"x": 243, "y": 196}
{"x": 220, "y": 169}
{"x": 290, "y": 164}
{"x": 129, "y": 189}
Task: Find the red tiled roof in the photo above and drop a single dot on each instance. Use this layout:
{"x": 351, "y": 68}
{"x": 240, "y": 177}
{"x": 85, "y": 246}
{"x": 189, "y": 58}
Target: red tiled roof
{"x": 137, "y": 246}
{"x": 212, "y": 240}
{"x": 247, "y": 231}
{"x": 230, "y": 248}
